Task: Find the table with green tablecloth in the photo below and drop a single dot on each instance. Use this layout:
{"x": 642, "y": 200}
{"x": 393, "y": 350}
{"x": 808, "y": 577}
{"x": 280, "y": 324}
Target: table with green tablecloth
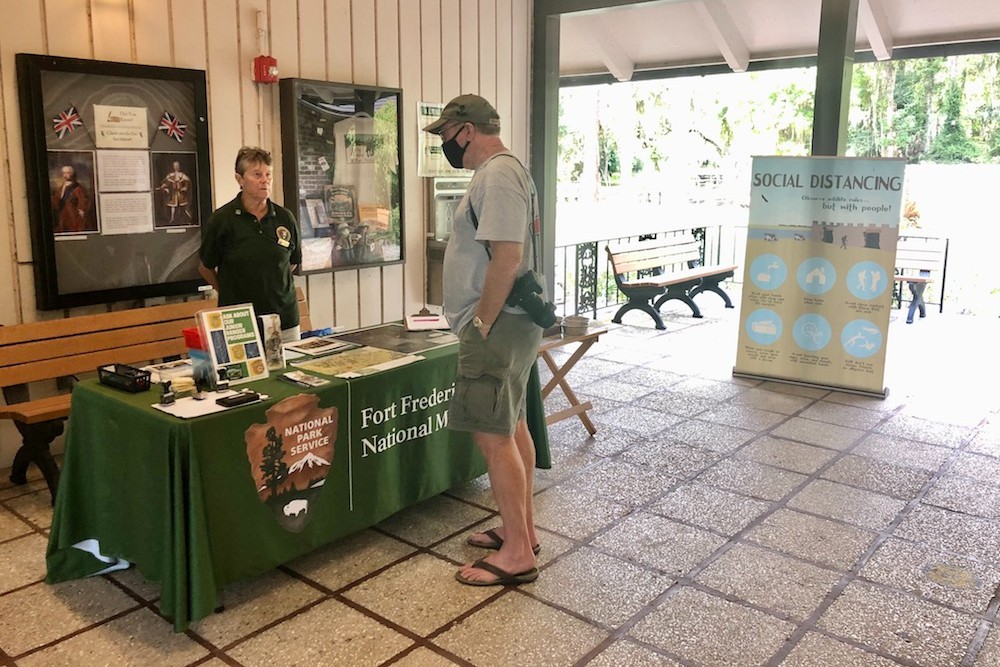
{"x": 196, "y": 504}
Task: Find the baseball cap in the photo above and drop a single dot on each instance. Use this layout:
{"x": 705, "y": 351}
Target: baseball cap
{"x": 466, "y": 108}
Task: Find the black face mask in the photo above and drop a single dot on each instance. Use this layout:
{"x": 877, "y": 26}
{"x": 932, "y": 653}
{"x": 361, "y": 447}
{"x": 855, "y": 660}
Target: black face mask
{"x": 453, "y": 152}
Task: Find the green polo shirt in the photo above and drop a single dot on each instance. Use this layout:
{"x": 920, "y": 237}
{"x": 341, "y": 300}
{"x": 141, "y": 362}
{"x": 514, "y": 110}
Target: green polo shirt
{"x": 254, "y": 258}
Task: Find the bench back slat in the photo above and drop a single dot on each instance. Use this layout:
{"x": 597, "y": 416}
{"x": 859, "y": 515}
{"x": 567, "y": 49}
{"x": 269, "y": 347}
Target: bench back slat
{"x": 82, "y": 363}
{"x": 653, "y": 254}
{"x": 916, "y": 253}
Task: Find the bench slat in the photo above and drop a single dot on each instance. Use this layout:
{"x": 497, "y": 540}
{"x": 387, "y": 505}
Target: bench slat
{"x": 71, "y": 326}
{"x": 82, "y": 363}
{"x": 38, "y": 410}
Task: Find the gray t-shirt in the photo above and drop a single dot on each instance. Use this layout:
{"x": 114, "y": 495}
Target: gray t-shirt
{"x": 503, "y": 197}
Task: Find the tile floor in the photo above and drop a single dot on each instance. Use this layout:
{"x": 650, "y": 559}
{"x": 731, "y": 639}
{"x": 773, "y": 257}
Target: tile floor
{"x": 711, "y": 521}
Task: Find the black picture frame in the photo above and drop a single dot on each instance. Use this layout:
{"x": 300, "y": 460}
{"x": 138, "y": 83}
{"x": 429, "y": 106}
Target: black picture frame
{"x": 99, "y": 139}
{"x": 340, "y": 144}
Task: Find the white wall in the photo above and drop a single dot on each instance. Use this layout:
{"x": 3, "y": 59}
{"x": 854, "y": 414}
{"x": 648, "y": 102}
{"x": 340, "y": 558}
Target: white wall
{"x": 431, "y": 49}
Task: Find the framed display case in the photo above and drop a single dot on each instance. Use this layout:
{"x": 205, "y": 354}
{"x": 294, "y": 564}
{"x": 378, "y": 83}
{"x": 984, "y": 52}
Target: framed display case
{"x": 118, "y": 178}
{"x": 342, "y": 173}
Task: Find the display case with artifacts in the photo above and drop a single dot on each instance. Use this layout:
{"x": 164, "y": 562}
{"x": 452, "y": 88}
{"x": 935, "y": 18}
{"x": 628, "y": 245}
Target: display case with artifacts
{"x": 341, "y": 143}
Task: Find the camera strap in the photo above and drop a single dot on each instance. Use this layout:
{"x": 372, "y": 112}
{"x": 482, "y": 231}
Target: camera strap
{"x": 531, "y": 221}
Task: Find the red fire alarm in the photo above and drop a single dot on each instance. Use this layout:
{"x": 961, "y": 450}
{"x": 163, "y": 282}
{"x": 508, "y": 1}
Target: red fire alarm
{"x": 265, "y": 69}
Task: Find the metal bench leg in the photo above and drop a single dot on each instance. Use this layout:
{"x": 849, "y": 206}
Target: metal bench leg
{"x": 37, "y": 438}
{"x": 712, "y": 287}
{"x": 644, "y": 307}
{"x": 679, "y": 295}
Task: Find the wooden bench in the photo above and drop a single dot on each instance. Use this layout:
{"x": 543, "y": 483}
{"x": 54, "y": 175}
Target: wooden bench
{"x": 920, "y": 260}
{"x": 655, "y": 271}
{"x": 64, "y": 348}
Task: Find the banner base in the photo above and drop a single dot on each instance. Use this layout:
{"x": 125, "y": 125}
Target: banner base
{"x": 847, "y": 390}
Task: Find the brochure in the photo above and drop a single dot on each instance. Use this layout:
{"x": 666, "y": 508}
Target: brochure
{"x": 320, "y": 345}
{"x": 395, "y": 337}
{"x": 234, "y": 346}
{"x": 304, "y": 379}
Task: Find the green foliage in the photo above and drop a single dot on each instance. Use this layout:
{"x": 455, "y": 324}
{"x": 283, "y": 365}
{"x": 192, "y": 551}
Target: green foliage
{"x": 952, "y": 144}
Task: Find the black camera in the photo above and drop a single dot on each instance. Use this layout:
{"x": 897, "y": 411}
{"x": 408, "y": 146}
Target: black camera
{"x": 525, "y": 293}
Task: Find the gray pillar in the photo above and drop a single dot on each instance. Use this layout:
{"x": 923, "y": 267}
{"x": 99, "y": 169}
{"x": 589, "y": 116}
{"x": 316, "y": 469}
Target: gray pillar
{"x": 838, "y": 25}
{"x": 544, "y": 131}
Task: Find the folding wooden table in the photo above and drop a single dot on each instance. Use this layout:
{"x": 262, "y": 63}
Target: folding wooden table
{"x": 559, "y": 375}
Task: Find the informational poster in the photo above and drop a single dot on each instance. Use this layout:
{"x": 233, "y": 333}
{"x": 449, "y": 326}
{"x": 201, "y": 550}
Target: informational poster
{"x": 120, "y": 127}
{"x": 818, "y": 275}
{"x": 430, "y": 157}
{"x": 234, "y": 344}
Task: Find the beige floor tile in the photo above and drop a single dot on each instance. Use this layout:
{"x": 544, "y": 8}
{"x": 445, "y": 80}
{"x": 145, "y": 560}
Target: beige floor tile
{"x": 952, "y": 531}
{"x": 674, "y": 402}
{"x": 888, "y": 404}
{"x": 924, "y": 430}
{"x": 519, "y": 630}
{"x": 900, "y": 625}
{"x": 345, "y": 561}
{"x": 843, "y": 415}
{"x": 659, "y": 543}
{"x": 989, "y": 655}
{"x": 739, "y": 416}
{"x": 623, "y": 482}
{"x": 786, "y": 454}
{"x": 419, "y": 594}
{"x": 10, "y": 490}
{"x": 331, "y": 633}
{"x": 902, "y": 452}
{"x": 476, "y": 491}
{"x": 423, "y": 657}
{"x": 794, "y": 389}
{"x": 710, "y": 507}
{"x": 710, "y": 631}
{"x": 12, "y": 526}
{"x": 636, "y": 419}
{"x": 575, "y": 513}
{"x": 986, "y": 441}
{"x": 704, "y": 433}
{"x": 432, "y": 520}
{"x": 878, "y": 476}
{"x": 791, "y": 588}
{"x": 772, "y": 401}
{"x": 138, "y": 639}
{"x": 752, "y": 479}
{"x": 35, "y": 507}
{"x": 41, "y": 613}
{"x": 678, "y": 459}
{"x": 625, "y": 652}
{"x": 985, "y": 469}
{"x": 616, "y": 388}
{"x": 966, "y": 495}
{"x": 252, "y": 604}
{"x": 22, "y": 561}
{"x": 133, "y": 580}
{"x": 934, "y": 574}
{"x": 602, "y": 588}
{"x": 811, "y": 537}
{"x": 703, "y": 388}
{"x": 858, "y": 506}
{"x": 818, "y": 433}
{"x": 816, "y": 650}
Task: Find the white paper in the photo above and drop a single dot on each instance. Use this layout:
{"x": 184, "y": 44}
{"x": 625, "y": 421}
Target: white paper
{"x": 126, "y": 213}
{"x": 123, "y": 171}
{"x": 121, "y": 127}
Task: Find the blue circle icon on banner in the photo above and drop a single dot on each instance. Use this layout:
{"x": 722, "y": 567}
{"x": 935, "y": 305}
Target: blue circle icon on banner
{"x": 812, "y": 332}
{"x": 867, "y": 280}
{"x": 763, "y": 326}
{"x": 861, "y": 338}
{"x": 816, "y": 275}
{"x": 768, "y": 272}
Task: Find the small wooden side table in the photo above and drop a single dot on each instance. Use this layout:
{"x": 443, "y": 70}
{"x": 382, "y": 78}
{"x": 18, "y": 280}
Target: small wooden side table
{"x": 559, "y": 375}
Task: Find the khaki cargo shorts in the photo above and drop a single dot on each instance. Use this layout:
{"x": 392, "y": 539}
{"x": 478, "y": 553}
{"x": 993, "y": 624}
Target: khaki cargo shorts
{"x": 493, "y": 375}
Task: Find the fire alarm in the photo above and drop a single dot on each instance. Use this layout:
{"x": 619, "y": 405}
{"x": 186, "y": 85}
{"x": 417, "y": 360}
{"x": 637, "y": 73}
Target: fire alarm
{"x": 265, "y": 69}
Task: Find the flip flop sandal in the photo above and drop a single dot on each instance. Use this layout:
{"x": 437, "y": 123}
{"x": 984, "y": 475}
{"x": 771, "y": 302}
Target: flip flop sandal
{"x": 496, "y": 542}
{"x": 503, "y": 577}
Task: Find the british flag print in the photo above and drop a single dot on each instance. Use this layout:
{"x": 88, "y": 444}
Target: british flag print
{"x": 66, "y": 121}
{"x": 172, "y": 126}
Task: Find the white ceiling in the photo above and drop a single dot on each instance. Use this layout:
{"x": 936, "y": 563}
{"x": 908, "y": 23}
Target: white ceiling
{"x": 677, "y": 33}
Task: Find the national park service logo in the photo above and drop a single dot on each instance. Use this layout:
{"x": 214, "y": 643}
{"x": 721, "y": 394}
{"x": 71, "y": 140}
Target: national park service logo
{"x": 290, "y": 456}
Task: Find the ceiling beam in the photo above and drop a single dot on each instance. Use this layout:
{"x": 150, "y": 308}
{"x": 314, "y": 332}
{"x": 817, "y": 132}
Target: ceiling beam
{"x": 871, "y": 16}
{"x": 606, "y": 45}
{"x": 727, "y": 36}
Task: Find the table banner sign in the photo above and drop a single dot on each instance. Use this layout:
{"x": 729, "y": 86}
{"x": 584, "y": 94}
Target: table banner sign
{"x": 818, "y": 275}
{"x": 233, "y": 342}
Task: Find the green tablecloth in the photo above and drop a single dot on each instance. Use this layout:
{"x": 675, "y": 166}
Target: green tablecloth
{"x": 179, "y": 500}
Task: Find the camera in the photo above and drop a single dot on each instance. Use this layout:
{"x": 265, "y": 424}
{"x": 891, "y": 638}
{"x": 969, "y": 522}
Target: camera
{"x": 525, "y": 293}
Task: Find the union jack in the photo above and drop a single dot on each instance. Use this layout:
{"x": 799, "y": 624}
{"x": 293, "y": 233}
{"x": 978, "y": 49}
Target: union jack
{"x": 172, "y": 127}
{"x": 66, "y": 121}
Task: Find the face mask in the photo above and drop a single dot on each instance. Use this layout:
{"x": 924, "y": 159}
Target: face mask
{"x": 453, "y": 152}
